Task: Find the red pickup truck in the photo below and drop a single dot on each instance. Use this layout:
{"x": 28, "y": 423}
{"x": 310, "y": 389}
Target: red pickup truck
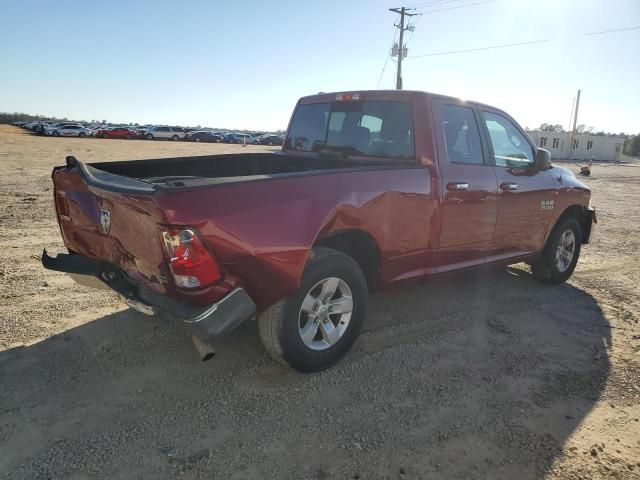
{"x": 371, "y": 189}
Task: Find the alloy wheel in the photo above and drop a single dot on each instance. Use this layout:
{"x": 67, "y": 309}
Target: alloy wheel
{"x": 325, "y": 313}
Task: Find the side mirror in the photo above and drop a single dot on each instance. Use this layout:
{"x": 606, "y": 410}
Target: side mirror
{"x": 543, "y": 159}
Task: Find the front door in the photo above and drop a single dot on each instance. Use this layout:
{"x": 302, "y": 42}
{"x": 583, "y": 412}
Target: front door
{"x": 469, "y": 194}
{"x": 526, "y": 196}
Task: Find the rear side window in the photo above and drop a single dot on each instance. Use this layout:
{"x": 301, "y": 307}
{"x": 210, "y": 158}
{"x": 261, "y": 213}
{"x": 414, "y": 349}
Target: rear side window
{"x": 461, "y": 134}
{"x": 371, "y": 128}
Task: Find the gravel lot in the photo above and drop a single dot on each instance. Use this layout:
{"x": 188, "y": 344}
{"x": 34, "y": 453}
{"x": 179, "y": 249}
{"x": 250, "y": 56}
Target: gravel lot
{"x": 483, "y": 375}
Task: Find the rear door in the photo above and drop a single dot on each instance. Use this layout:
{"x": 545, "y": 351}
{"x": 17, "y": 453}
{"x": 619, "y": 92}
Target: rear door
{"x": 526, "y": 196}
{"x": 469, "y": 197}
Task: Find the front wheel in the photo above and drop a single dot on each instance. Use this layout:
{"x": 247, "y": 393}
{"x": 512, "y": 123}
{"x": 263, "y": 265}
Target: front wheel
{"x": 149, "y": 136}
{"x": 55, "y": 134}
{"x": 175, "y": 138}
{"x": 82, "y": 134}
{"x": 317, "y": 326}
{"x": 560, "y": 255}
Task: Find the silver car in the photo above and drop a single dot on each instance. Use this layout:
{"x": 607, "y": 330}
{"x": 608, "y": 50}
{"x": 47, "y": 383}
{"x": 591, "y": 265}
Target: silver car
{"x": 174, "y": 133}
{"x": 69, "y": 131}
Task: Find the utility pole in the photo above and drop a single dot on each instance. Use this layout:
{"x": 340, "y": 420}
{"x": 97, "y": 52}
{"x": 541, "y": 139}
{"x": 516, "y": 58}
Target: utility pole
{"x": 575, "y": 124}
{"x": 402, "y": 51}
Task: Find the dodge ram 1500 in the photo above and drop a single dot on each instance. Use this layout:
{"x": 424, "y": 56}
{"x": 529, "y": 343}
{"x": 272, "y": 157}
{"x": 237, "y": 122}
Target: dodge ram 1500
{"x": 370, "y": 189}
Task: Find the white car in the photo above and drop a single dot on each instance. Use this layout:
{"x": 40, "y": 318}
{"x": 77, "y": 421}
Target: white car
{"x": 174, "y": 133}
{"x": 69, "y": 131}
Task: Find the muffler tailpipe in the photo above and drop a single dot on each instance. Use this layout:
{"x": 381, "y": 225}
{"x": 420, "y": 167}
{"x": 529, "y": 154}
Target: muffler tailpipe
{"x": 205, "y": 350}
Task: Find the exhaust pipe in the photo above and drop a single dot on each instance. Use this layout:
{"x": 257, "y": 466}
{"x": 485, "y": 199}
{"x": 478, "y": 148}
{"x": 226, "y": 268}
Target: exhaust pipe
{"x": 204, "y": 349}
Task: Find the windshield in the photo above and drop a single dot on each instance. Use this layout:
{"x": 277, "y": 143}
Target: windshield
{"x": 371, "y": 128}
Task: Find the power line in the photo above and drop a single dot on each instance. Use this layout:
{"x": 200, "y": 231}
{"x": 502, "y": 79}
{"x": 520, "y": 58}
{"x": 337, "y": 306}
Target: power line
{"x": 505, "y": 45}
{"x": 609, "y": 31}
{"x": 386, "y": 60}
{"x": 461, "y": 6}
{"x": 434, "y": 2}
{"x": 478, "y": 49}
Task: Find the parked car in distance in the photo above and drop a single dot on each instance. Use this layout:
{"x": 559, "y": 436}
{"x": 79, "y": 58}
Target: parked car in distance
{"x": 55, "y": 125}
{"x": 172, "y": 133}
{"x": 270, "y": 140}
{"x": 69, "y": 131}
{"x": 203, "y": 136}
{"x": 116, "y": 132}
{"x": 370, "y": 190}
{"x": 240, "y": 138}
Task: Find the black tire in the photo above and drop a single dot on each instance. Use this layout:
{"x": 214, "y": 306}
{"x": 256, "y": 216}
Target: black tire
{"x": 82, "y": 134}
{"x": 546, "y": 268}
{"x": 279, "y": 325}
{"x": 197, "y": 139}
{"x": 175, "y": 138}
{"x": 55, "y": 134}
{"x": 148, "y": 136}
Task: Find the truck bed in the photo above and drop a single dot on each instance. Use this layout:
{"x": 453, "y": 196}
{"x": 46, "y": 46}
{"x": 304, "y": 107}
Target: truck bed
{"x": 185, "y": 172}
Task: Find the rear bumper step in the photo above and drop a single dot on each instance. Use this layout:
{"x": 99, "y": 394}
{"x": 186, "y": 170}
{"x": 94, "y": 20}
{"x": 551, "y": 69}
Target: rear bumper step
{"x": 207, "y": 324}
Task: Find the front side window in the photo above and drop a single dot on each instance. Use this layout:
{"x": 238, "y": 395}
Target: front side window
{"x": 510, "y": 146}
{"x": 371, "y": 128}
{"x": 461, "y": 134}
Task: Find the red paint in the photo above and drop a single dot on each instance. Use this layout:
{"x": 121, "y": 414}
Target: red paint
{"x": 119, "y": 132}
{"x": 261, "y": 232}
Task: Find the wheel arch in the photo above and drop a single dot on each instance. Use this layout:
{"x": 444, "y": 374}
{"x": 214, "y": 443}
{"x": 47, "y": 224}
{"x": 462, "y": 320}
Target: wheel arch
{"x": 361, "y": 247}
{"x": 583, "y": 215}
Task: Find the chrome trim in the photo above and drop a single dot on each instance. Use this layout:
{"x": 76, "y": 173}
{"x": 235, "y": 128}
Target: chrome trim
{"x": 212, "y": 308}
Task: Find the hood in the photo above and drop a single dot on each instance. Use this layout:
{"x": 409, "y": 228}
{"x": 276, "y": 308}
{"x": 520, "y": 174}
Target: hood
{"x": 566, "y": 177}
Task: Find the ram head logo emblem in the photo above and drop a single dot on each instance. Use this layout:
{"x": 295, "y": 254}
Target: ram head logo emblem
{"x": 105, "y": 221}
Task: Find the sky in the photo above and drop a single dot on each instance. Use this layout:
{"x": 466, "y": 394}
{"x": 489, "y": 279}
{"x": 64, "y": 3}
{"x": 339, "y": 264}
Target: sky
{"x": 243, "y": 64}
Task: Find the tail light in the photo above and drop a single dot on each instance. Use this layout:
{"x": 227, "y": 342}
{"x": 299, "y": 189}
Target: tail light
{"x": 192, "y": 266}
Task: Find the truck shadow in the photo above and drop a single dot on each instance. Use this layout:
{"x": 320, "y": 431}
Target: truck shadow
{"x": 481, "y": 375}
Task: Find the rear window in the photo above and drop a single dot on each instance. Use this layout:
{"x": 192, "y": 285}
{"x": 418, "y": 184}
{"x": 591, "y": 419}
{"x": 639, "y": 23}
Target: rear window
{"x": 371, "y": 128}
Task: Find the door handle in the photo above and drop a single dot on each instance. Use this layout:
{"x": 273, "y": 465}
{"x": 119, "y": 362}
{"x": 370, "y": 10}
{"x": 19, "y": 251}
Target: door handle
{"x": 457, "y": 186}
{"x": 509, "y": 186}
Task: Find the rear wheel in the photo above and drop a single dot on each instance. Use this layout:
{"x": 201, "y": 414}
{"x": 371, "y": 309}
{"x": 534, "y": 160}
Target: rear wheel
{"x": 197, "y": 139}
{"x": 149, "y": 136}
{"x": 82, "y": 134}
{"x": 317, "y": 326}
{"x": 175, "y": 137}
{"x": 55, "y": 134}
{"x": 560, "y": 255}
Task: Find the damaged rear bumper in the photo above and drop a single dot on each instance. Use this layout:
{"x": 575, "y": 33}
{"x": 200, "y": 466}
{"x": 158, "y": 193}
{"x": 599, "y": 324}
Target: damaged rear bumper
{"x": 206, "y": 323}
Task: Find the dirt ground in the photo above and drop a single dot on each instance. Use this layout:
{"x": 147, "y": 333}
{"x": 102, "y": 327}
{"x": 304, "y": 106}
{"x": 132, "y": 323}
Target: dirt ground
{"x": 489, "y": 375}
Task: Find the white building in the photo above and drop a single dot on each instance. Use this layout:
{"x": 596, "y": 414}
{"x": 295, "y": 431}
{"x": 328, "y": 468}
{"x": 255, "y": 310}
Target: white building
{"x": 586, "y": 146}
